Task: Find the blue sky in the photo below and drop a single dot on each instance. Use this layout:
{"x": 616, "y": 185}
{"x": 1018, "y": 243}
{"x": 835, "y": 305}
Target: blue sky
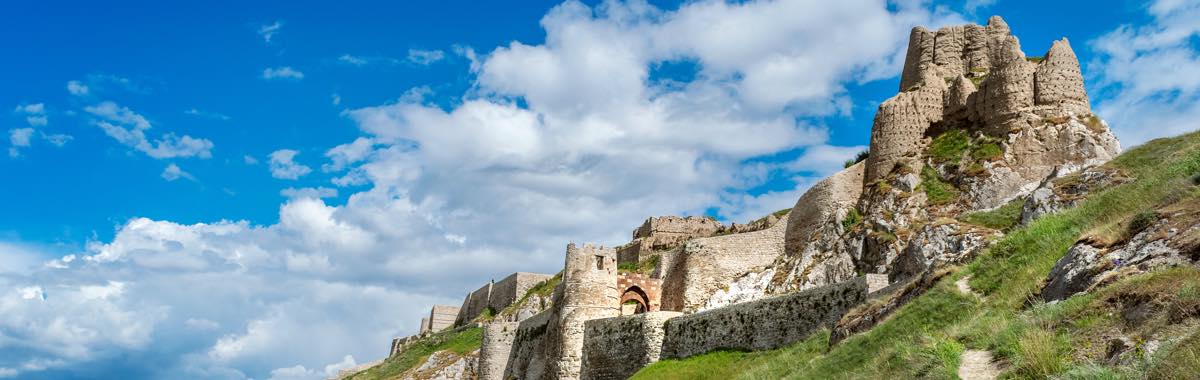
{"x": 192, "y": 177}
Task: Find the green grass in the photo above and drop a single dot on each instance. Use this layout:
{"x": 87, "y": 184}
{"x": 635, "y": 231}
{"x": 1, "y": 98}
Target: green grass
{"x": 1181, "y": 362}
{"x": 542, "y": 289}
{"x": 1035, "y": 59}
{"x": 923, "y": 338}
{"x": 461, "y": 341}
{"x": 936, "y": 189}
{"x": 853, "y": 218}
{"x": 949, "y": 146}
{"x": 645, "y": 266}
{"x": 1003, "y": 218}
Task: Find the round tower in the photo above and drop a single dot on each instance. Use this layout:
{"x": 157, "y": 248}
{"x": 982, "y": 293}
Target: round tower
{"x": 589, "y": 291}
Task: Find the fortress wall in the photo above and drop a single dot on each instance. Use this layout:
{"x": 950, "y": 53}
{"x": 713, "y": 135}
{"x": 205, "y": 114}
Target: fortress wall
{"x": 530, "y": 353}
{"x": 616, "y": 348}
{"x": 495, "y": 349}
{"x": 442, "y": 316}
{"x": 704, "y": 266}
{"x": 764, "y": 324}
{"x": 820, "y": 204}
{"x": 474, "y": 304}
{"x": 512, "y": 288}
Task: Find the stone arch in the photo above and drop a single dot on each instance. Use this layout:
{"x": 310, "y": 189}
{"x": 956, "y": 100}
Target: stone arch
{"x": 634, "y": 300}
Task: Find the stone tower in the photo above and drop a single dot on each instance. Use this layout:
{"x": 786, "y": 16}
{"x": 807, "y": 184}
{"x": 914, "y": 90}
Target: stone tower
{"x": 974, "y": 77}
{"x": 589, "y": 291}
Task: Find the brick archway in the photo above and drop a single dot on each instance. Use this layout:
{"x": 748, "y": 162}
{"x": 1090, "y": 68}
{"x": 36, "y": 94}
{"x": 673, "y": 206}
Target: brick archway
{"x": 634, "y": 301}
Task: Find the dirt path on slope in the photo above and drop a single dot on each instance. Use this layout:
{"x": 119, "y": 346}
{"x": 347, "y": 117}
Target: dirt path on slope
{"x": 976, "y": 364}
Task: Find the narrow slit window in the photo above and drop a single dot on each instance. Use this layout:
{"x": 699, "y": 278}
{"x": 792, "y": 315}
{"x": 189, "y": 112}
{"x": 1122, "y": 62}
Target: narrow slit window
{"x": 599, "y": 262}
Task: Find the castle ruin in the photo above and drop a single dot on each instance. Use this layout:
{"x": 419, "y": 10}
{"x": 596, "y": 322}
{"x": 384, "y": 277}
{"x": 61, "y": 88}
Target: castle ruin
{"x": 688, "y": 285}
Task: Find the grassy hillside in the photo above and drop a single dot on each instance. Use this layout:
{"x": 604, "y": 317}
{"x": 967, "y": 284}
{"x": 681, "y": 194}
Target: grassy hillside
{"x": 926, "y": 338}
{"x": 459, "y": 341}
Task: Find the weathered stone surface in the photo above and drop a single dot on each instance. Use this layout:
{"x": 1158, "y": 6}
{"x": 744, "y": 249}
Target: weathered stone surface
{"x": 616, "y": 348}
{"x": 442, "y": 316}
{"x": 445, "y": 365}
{"x": 495, "y": 348}
{"x": 1173, "y": 239}
{"x": 900, "y": 124}
{"x": 1061, "y": 190}
{"x": 1058, "y": 88}
{"x": 764, "y": 324}
{"x": 550, "y": 345}
{"x": 937, "y": 245}
{"x": 704, "y": 266}
{"x": 817, "y": 250}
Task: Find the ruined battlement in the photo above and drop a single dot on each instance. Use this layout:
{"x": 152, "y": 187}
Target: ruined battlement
{"x": 976, "y": 77}
{"x": 495, "y": 296}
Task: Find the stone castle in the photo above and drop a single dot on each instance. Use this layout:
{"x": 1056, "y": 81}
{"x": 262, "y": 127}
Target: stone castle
{"x": 689, "y": 285}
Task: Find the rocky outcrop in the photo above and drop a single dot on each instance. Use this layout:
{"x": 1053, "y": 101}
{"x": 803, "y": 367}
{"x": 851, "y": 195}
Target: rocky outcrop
{"x": 445, "y": 365}
{"x": 940, "y": 244}
{"x": 1168, "y": 237}
{"x": 1059, "y": 192}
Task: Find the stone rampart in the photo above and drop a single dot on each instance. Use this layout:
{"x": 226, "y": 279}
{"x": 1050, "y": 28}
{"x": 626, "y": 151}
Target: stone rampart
{"x": 549, "y": 345}
{"x": 495, "y": 349}
{"x": 704, "y": 266}
{"x": 442, "y": 316}
{"x": 530, "y": 354}
{"x": 474, "y": 304}
{"x": 513, "y": 287}
{"x": 616, "y": 348}
{"x": 764, "y": 324}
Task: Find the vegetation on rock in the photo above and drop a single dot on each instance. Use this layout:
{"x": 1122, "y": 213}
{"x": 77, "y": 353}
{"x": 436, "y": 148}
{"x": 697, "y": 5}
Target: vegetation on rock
{"x": 1157, "y": 313}
{"x": 460, "y": 341}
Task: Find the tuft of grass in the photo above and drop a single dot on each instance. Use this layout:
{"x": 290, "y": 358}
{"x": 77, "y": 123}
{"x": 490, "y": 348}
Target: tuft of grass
{"x": 459, "y": 341}
{"x": 1039, "y": 340}
{"x": 1035, "y": 59}
{"x": 1181, "y": 361}
{"x": 1003, "y": 218}
{"x": 860, "y": 157}
{"x": 853, "y": 218}
{"x": 987, "y": 151}
{"x": 937, "y": 190}
{"x": 1141, "y": 221}
{"x": 724, "y": 364}
{"x": 1041, "y": 354}
{"x": 949, "y": 146}
{"x": 1094, "y": 124}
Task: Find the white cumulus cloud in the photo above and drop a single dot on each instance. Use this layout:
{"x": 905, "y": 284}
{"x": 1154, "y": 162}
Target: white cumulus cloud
{"x": 1149, "y": 75}
{"x": 129, "y": 128}
{"x": 284, "y": 166}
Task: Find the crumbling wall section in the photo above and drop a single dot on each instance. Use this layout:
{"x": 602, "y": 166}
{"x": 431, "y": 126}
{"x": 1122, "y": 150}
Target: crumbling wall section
{"x": 764, "y": 324}
{"x": 704, "y": 266}
{"x": 495, "y": 349}
{"x": 616, "y": 348}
